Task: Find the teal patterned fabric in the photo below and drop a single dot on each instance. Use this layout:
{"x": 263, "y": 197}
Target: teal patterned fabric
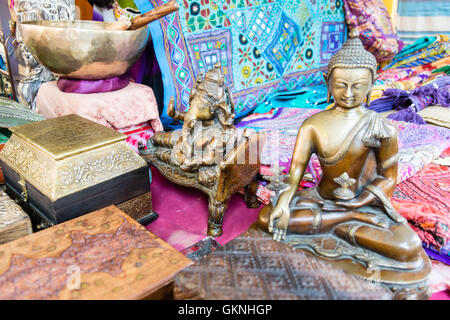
{"x": 264, "y": 46}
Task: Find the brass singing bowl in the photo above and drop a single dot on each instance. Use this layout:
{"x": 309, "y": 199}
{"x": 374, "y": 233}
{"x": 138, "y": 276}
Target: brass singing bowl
{"x": 83, "y": 49}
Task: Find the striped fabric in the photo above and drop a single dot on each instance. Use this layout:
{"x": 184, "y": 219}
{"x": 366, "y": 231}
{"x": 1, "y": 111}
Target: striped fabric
{"x": 418, "y": 18}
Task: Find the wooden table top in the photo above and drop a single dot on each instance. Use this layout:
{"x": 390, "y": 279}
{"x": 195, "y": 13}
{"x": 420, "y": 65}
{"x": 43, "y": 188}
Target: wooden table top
{"x": 102, "y": 255}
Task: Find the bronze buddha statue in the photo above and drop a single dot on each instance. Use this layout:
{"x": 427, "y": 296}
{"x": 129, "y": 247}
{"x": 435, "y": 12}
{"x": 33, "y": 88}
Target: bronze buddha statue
{"x": 348, "y": 216}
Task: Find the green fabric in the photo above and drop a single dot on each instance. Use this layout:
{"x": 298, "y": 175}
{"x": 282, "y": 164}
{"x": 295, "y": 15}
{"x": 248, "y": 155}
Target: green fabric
{"x": 3, "y": 138}
{"x": 445, "y": 69}
{"x": 418, "y": 45}
{"x": 12, "y": 103}
{"x": 127, "y": 4}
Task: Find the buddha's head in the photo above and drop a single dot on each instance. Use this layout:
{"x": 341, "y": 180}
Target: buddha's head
{"x": 351, "y": 73}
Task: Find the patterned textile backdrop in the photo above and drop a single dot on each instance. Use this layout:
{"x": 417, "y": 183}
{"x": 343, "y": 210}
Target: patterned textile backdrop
{"x": 263, "y": 45}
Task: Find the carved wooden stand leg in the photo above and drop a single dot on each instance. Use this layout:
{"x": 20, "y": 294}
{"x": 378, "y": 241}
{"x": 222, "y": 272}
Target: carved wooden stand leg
{"x": 250, "y": 198}
{"x": 216, "y": 209}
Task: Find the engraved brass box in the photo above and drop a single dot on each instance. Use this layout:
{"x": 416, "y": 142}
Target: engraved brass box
{"x": 65, "y": 167}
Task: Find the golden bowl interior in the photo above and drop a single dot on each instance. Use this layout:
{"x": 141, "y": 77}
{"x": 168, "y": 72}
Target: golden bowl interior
{"x": 83, "y": 49}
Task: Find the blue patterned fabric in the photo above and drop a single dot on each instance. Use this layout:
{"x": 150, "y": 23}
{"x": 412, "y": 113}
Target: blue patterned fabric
{"x": 420, "y": 18}
{"x": 264, "y": 46}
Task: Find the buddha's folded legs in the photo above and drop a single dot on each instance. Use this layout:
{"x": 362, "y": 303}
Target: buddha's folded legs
{"x": 395, "y": 241}
{"x": 399, "y": 242}
{"x": 313, "y": 220}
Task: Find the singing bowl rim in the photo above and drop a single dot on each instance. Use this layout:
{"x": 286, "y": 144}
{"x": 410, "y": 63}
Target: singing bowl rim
{"x": 95, "y": 30}
{"x": 59, "y": 24}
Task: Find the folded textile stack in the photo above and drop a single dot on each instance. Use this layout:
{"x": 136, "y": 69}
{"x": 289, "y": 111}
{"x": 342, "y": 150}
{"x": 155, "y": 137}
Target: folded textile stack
{"x": 418, "y": 18}
{"x": 418, "y": 144}
{"x": 424, "y": 200}
{"x": 414, "y": 79}
{"x": 408, "y": 103}
{"x": 131, "y": 110}
{"x": 436, "y": 115}
{"x": 422, "y": 52}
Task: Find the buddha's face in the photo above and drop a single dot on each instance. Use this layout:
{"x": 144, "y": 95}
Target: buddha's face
{"x": 349, "y": 87}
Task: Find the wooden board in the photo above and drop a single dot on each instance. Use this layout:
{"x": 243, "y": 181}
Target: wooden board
{"x": 84, "y": 10}
{"x": 102, "y": 255}
{"x": 14, "y": 222}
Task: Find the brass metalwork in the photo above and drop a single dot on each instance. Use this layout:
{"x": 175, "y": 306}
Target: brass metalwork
{"x": 31, "y": 73}
{"x": 48, "y": 157}
{"x": 206, "y": 153}
{"x": 23, "y": 185}
{"x": 87, "y": 50}
{"x": 55, "y": 136}
{"x": 348, "y": 217}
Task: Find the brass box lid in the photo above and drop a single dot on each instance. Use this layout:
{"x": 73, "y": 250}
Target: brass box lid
{"x": 64, "y": 155}
{"x": 66, "y": 136}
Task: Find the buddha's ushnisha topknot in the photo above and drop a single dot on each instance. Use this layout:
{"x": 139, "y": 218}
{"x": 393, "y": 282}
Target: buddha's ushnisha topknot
{"x": 353, "y": 55}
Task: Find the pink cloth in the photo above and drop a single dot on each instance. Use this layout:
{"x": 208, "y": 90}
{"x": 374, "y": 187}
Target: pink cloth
{"x": 183, "y": 214}
{"x": 442, "y": 295}
{"x": 439, "y": 279}
{"x": 138, "y": 133}
{"x": 129, "y": 106}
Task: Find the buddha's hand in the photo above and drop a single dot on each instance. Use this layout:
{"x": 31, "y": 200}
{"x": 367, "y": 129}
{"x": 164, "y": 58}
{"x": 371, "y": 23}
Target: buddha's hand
{"x": 278, "y": 221}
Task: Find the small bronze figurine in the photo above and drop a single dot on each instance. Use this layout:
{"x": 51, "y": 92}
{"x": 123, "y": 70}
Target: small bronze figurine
{"x": 207, "y": 153}
{"x": 348, "y": 216}
{"x": 207, "y": 126}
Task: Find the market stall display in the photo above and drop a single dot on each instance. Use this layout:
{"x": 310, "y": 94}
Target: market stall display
{"x": 234, "y": 98}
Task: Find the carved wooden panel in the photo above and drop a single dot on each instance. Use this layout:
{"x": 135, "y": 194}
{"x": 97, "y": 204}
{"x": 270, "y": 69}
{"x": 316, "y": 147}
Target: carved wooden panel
{"x": 253, "y": 266}
{"x": 101, "y": 255}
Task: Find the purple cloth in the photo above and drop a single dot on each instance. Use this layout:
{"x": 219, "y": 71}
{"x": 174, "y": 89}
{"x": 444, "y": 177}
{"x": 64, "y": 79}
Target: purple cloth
{"x": 373, "y": 22}
{"x": 421, "y": 97}
{"x": 408, "y": 103}
{"x": 437, "y": 256}
{"x": 382, "y": 104}
{"x": 407, "y": 115}
{"x": 93, "y": 86}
